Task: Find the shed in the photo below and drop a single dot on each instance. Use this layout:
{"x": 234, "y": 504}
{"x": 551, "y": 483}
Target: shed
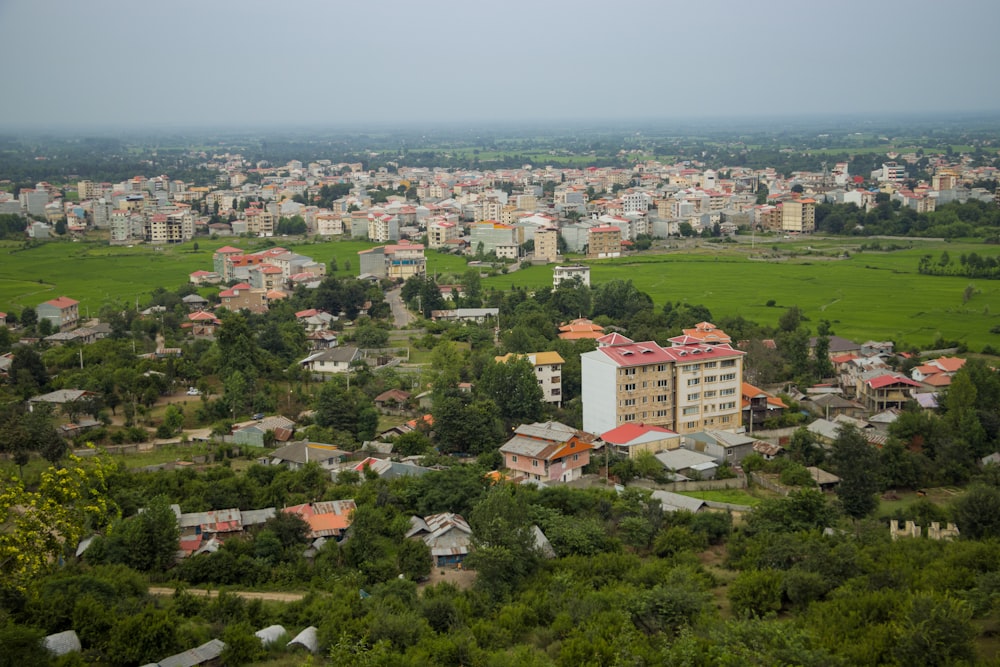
{"x": 208, "y": 651}
{"x": 270, "y": 634}
{"x": 308, "y": 639}
{"x": 62, "y": 643}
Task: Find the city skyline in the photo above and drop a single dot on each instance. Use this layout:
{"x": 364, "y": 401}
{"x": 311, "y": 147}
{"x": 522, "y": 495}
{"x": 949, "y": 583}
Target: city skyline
{"x": 107, "y": 64}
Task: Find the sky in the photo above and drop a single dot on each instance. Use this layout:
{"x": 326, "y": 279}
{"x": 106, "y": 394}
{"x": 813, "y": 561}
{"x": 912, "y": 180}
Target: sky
{"x": 248, "y": 63}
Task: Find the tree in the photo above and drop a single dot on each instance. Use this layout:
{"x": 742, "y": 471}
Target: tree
{"x": 143, "y": 638}
{"x": 756, "y": 593}
{"x": 512, "y": 385}
{"x": 505, "y": 551}
{"x": 977, "y": 512}
{"x": 620, "y": 300}
{"x": 935, "y": 629}
{"x": 856, "y": 462}
{"x": 146, "y": 541}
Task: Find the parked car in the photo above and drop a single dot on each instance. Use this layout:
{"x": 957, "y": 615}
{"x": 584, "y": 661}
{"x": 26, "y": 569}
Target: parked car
{"x": 193, "y": 391}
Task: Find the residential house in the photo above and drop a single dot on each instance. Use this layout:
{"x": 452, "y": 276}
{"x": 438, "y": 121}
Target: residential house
{"x": 392, "y": 401}
{"x": 332, "y": 360}
{"x": 937, "y": 373}
{"x": 204, "y": 278}
{"x": 631, "y": 439}
{"x": 890, "y": 390}
{"x": 253, "y": 433}
{"x": 604, "y": 242}
{"x": 759, "y": 406}
{"x": 831, "y": 405}
{"x": 329, "y": 518}
{"x": 202, "y": 324}
{"x": 62, "y": 312}
{"x": 704, "y": 333}
{"x": 723, "y": 446}
{"x": 315, "y": 320}
{"x": 82, "y": 335}
{"x": 561, "y": 274}
{"x": 61, "y": 397}
{"x": 195, "y": 302}
{"x": 296, "y": 455}
{"x": 548, "y": 451}
{"x": 687, "y": 464}
{"x": 477, "y": 315}
{"x": 548, "y": 373}
{"x": 388, "y": 469}
{"x": 580, "y": 328}
{"x": 448, "y": 536}
{"x": 243, "y": 295}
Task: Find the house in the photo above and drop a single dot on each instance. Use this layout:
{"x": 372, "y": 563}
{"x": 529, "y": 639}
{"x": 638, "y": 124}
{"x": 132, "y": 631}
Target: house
{"x": 204, "y": 278}
{"x": 202, "y": 324}
{"x": 448, "y": 536}
{"x": 62, "y": 312}
{"x": 195, "y": 302}
{"x": 674, "y": 502}
{"x": 81, "y": 335}
{"x": 824, "y": 480}
{"x": 477, "y": 315}
{"x": 832, "y": 405}
{"x": 242, "y": 296}
{"x": 392, "y": 402}
{"x": 425, "y": 422}
{"x": 60, "y": 397}
{"x": 759, "y": 406}
{"x": 395, "y": 262}
{"x": 688, "y": 464}
{"x": 332, "y": 360}
{"x": 838, "y": 346}
{"x": 577, "y": 272}
{"x": 631, "y": 439}
{"x": 703, "y": 332}
{"x": 548, "y": 372}
{"x": 580, "y": 328}
{"x": 253, "y": 433}
{"x": 938, "y": 372}
{"x": 890, "y": 390}
{"x": 548, "y": 451}
{"x": 723, "y": 446}
{"x": 329, "y": 518}
{"x": 769, "y": 451}
{"x": 296, "y": 455}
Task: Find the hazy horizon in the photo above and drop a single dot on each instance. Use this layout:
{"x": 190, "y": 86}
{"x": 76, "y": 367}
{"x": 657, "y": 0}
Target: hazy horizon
{"x": 112, "y": 66}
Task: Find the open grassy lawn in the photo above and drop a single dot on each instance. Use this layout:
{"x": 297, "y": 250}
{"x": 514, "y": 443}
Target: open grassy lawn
{"x": 868, "y": 294}
{"x": 731, "y": 496}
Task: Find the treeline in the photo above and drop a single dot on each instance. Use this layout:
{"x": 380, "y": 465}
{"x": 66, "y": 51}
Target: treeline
{"x": 889, "y": 218}
{"x": 971, "y": 265}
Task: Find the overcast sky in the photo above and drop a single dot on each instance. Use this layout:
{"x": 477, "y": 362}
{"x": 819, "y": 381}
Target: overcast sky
{"x": 330, "y": 62}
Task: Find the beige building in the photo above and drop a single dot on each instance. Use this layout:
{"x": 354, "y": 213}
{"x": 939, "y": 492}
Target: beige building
{"x": 687, "y": 388}
{"x": 604, "y": 241}
{"x": 440, "y": 232}
{"x": 798, "y": 215}
{"x": 547, "y": 244}
{"x": 395, "y": 262}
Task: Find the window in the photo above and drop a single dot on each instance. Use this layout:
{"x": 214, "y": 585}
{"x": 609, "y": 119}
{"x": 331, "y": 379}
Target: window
{"x": 692, "y": 424}
{"x": 727, "y": 392}
{"x": 728, "y": 376}
{"x": 629, "y": 402}
{"x": 727, "y": 406}
{"x": 711, "y": 364}
{"x": 663, "y": 383}
{"x": 630, "y": 386}
{"x": 576, "y": 457}
{"x": 694, "y": 397}
{"x": 555, "y": 379}
{"x": 662, "y": 368}
{"x": 534, "y": 463}
{"x": 630, "y": 418}
{"x": 540, "y": 383}
{"x": 726, "y": 419}
{"x": 628, "y": 371}
{"x": 728, "y": 363}
{"x": 661, "y": 413}
{"x": 710, "y": 378}
{"x": 693, "y": 381}
{"x": 662, "y": 398}
{"x": 556, "y": 391}
{"x": 513, "y": 458}
{"x": 709, "y": 394}
{"x": 555, "y": 368}
{"x": 693, "y": 410}
{"x": 690, "y": 368}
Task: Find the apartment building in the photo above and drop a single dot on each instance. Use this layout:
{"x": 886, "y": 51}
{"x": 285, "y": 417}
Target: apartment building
{"x": 495, "y": 237}
{"x": 604, "y": 241}
{"x": 573, "y": 272}
{"x": 440, "y": 232}
{"x": 547, "y": 244}
{"x": 395, "y": 262}
{"x": 686, "y": 388}
{"x": 799, "y": 216}
{"x": 548, "y": 372}
{"x": 63, "y": 312}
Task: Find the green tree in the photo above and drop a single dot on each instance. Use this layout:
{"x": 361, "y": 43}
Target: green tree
{"x": 977, "y": 512}
{"x": 756, "y": 593}
{"x": 935, "y": 629}
{"x": 512, "y": 385}
{"x": 856, "y": 462}
{"x": 620, "y": 300}
{"x": 143, "y": 638}
{"x": 505, "y": 551}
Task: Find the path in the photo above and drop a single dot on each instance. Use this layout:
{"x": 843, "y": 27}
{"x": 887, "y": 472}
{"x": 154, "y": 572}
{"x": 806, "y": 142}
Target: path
{"x": 400, "y": 315}
{"x": 164, "y": 591}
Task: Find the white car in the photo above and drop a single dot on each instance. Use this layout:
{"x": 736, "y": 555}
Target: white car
{"x": 192, "y": 391}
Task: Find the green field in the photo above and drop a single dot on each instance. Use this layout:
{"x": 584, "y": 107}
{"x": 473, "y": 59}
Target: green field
{"x": 877, "y": 295}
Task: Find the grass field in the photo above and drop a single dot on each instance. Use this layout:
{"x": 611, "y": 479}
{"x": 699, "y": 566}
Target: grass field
{"x": 877, "y": 295}
{"x": 731, "y": 496}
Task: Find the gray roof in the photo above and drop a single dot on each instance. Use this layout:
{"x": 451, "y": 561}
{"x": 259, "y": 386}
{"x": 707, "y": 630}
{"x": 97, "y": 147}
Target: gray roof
{"x": 270, "y": 634}
{"x": 195, "y": 656}
{"x": 553, "y": 431}
{"x": 303, "y": 452}
{"x": 345, "y": 354}
{"x": 729, "y": 439}
{"x": 824, "y": 428}
{"x": 62, "y": 643}
{"x": 307, "y": 638}
{"x": 542, "y": 543}
{"x": 675, "y": 501}
{"x": 59, "y": 396}
{"x": 524, "y": 446}
{"x": 682, "y": 459}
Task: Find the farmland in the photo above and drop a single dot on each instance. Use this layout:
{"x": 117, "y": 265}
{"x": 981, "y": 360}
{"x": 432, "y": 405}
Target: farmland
{"x": 864, "y": 294}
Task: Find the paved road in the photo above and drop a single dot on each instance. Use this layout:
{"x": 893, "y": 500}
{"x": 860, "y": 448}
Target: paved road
{"x": 400, "y": 315}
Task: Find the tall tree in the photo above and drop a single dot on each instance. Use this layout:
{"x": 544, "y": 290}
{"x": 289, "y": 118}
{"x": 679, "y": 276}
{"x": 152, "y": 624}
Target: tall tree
{"x": 512, "y": 385}
{"x": 505, "y": 543}
{"x": 856, "y": 463}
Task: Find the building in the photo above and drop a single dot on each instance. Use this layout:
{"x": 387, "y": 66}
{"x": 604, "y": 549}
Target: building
{"x": 705, "y": 333}
{"x": 395, "y": 262}
{"x": 332, "y": 360}
{"x": 574, "y": 272}
{"x": 798, "y": 216}
{"x": 447, "y": 535}
{"x": 885, "y": 391}
{"x": 686, "y": 388}
{"x": 496, "y": 237}
{"x": 604, "y": 242}
{"x": 547, "y": 245}
{"x": 62, "y": 312}
{"x": 632, "y": 439}
{"x": 548, "y": 372}
{"x": 759, "y": 406}
{"x": 547, "y": 452}
{"x": 440, "y": 232}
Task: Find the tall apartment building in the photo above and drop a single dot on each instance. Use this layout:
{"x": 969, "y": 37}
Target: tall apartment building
{"x": 547, "y": 244}
{"x": 798, "y": 215}
{"x": 604, "y": 241}
{"x": 494, "y": 235}
{"x": 440, "y": 232}
{"x": 686, "y": 388}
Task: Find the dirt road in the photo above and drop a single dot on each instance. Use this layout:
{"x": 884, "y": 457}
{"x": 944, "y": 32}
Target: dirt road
{"x": 164, "y": 591}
